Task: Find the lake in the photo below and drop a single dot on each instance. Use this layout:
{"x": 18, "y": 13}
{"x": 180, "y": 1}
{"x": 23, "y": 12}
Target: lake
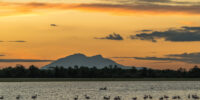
{"x": 126, "y": 90}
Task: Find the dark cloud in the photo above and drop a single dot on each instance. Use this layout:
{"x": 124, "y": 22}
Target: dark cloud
{"x": 18, "y": 41}
{"x": 2, "y": 55}
{"x": 154, "y": 58}
{"x": 145, "y": 30}
{"x": 161, "y": 1}
{"x": 175, "y": 35}
{"x": 24, "y": 60}
{"x": 188, "y": 57}
{"x": 146, "y": 58}
{"x": 1, "y": 41}
{"x": 113, "y": 36}
{"x": 53, "y": 25}
{"x": 185, "y": 55}
{"x": 193, "y": 58}
{"x": 139, "y": 1}
{"x": 191, "y": 28}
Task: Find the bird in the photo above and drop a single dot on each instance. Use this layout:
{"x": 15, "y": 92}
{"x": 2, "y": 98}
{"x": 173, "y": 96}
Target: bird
{"x": 117, "y": 98}
{"x": 1, "y": 97}
{"x": 150, "y": 97}
{"x": 178, "y": 97}
{"x": 34, "y": 96}
{"x": 166, "y": 97}
{"x": 174, "y": 97}
{"x": 161, "y": 98}
{"x": 188, "y": 96}
{"x": 195, "y": 97}
{"x": 76, "y": 98}
{"x": 105, "y": 88}
{"x": 87, "y": 97}
{"x": 145, "y": 97}
{"x": 106, "y": 97}
{"x": 134, "y": 98}
{"x": 18, "y": 97}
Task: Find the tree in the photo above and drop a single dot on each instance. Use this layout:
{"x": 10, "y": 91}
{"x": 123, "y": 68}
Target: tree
{"x": 34, "y": 72}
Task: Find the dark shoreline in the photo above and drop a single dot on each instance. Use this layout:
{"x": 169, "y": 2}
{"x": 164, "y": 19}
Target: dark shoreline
{"x": 93, "y": 79}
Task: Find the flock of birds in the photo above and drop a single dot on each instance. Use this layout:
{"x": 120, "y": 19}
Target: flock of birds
{"x": 145, "y": 97}
{"x": 148, "y": 97}
{"x": 19, "y": 97}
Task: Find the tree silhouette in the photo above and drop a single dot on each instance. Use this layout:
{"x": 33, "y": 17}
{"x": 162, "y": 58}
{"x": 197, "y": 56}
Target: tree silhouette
{"x": 19, "y": 71}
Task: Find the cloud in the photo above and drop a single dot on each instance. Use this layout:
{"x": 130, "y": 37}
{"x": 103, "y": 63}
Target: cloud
{"x": 143, "y": 8}
{"x": 14, "y": 41}
{"x": 145, "y": 58}
{"x": 24, "y": 60}
{"x": 155, "y": 58}
{"x": 21, "y": 41}
{"x": 192, "y": 58}
{"x": 191, "y": 28}
{"x": 145, "y": 30}
{"x": 53, "y": 25}
{"x": 161, "y": 1}
{"x": 2, "y": 55}
{"x": 184, "y": 34}
{"x": 122, "y": 57}
{"x": 12, "y": 8}
{"x": 113, "y": 36}
{"x": 146, "y": 1}
{"x": 166, "y": 2}
{"x": 188, "y": 57}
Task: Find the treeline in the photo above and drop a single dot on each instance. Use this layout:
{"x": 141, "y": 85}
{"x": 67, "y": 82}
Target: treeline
{"x": 84, "y": 72}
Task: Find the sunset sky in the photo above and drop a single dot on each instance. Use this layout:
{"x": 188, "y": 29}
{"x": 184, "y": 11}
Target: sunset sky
{"x": 152, "y": 33}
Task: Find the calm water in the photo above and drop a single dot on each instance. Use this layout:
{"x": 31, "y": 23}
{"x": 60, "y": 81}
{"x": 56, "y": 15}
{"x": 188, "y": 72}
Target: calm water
{"x": 68, "y": 90}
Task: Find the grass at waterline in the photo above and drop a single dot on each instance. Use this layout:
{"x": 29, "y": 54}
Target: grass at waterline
{"x": 93, "y": 79}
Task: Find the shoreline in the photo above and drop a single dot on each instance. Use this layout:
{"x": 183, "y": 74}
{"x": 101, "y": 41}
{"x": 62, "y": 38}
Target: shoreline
{"x": 93, "y": 79}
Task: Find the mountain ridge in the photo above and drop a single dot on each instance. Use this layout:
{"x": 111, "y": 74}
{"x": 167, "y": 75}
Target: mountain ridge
{"x": 79, "y": 59}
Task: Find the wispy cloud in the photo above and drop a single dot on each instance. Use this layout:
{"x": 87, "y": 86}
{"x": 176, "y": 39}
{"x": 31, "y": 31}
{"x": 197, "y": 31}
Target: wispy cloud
{"x": 165, "y": 1}
{"x": 20, "y": 41}
{"x": 192, "y": 58}
{"x": 26, "y": 8}
{"x": 145, "y": 30}
{"x": 156, "y": 58}
{"x": 24, "y": 60}
{"x": 184, "y": 34}
{"x": 122, "y": 57}
{"x": 113, "y": 36}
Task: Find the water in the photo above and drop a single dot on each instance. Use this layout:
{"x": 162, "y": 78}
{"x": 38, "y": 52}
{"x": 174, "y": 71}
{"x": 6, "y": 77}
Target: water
{"x": 68, "y": 90}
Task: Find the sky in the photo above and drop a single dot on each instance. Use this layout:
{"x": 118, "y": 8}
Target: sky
{"x": 160, "y": 34}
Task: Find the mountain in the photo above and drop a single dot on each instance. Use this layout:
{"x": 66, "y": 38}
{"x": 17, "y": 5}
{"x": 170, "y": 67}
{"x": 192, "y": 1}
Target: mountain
{"x": 81, "y": 60}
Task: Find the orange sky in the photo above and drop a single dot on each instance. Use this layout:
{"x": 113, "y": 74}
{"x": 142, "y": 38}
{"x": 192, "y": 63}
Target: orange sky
{"x": 26, "y": 32}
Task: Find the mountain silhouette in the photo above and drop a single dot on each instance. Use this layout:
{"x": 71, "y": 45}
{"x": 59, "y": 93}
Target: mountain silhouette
{"x": 81, "y": 60}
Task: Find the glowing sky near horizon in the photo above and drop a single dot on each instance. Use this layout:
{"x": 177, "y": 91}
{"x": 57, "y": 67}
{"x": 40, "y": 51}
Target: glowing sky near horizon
{"x": 26, "y": 31}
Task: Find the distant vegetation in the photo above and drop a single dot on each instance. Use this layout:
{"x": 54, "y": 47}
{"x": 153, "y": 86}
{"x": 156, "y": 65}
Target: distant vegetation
{"x": 84, "y": 72}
